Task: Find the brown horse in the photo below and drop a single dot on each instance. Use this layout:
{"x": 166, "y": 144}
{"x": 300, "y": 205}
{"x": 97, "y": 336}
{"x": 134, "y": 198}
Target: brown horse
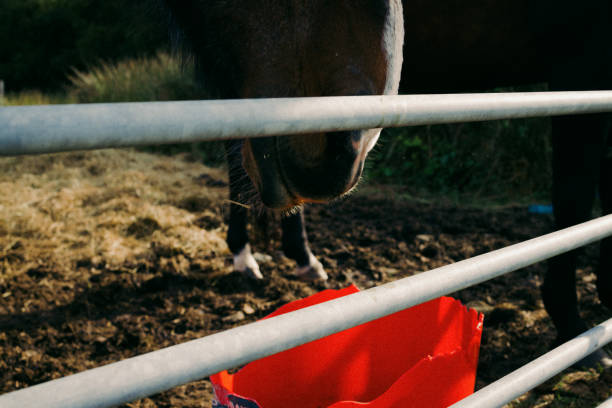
{"x": 466, "y": 45}
{"x": 284, "y": 48}
{"x": 273, "y": 48}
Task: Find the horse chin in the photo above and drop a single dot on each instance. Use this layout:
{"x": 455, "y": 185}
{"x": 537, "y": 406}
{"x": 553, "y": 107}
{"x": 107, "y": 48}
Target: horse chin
{"x": 260, "y": 163}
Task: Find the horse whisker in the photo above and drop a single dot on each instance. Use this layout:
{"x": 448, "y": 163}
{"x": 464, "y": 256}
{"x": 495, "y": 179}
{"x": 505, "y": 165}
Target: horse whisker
{"x": 237, "y": 203}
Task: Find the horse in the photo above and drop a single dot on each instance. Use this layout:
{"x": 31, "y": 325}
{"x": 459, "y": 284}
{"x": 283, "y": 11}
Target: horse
{"x": 292, "y": 48}
{"x": 274, "y": 48}
{"x": 467, "y": 45}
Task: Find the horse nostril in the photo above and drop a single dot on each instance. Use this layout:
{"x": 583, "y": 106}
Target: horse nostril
{"x": 346, "y": 145}
{"x": 344, "y": 140}
{"x": 357, "y": 141}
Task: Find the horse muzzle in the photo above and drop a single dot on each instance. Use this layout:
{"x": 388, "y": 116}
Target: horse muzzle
{"x": 291, "y": 170}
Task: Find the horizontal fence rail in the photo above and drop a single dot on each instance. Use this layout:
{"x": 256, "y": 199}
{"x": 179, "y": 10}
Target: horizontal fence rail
{"x": 160, "y": 370}
{"x": 539, "y": 370}
{"x": 606, "y": 404}
{"x": 54, "y": 128}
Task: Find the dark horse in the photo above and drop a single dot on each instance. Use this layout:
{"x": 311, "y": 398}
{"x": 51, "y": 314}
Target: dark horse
{"x": 279, "y": 48}
{"x": 466, "y": 45}
{"x": 292, "y": 48}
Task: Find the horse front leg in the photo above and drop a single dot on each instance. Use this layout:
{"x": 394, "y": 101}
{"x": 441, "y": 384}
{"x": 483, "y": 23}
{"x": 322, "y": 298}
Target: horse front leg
{"x": 237, "y": 237}
{"x": 604, "y": 272}
{"x": 295, "y": 246}
{"x": 578, "y": 143}
{"x": 576, "y": 154}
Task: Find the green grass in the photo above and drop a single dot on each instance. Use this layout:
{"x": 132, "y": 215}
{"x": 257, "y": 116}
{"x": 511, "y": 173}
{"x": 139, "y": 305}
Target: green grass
{"x": 33, "y": 97}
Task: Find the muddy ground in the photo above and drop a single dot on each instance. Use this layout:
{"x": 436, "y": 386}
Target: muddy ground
{"x": 109, "y": 254}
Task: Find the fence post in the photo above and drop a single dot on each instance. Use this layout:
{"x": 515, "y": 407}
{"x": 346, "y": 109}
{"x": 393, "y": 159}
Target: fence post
{"x": 1, "y": 91}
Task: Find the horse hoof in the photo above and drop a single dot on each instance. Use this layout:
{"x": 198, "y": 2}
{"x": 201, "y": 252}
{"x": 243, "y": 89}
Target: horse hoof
{"x": 599, "y": 359}
{"x": 312, "y": 272}
{"x": 252, "y": 273}
{"x": 245, "y": 263}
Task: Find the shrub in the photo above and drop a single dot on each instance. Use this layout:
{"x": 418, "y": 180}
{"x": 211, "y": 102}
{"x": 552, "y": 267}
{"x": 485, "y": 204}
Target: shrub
{"x": 159, "y": 78}
{"x": 491, "y": 161}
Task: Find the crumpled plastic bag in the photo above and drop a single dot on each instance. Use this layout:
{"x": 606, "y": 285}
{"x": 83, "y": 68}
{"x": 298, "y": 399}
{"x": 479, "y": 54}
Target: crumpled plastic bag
{"x": 425, "y": 356}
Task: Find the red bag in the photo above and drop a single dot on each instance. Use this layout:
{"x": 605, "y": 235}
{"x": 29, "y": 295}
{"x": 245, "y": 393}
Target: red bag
{"x": 425, "y": 356}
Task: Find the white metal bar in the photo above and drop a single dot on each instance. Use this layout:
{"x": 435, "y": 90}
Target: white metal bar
{"x": 534, "y": 373}
{"x": 160, "y": 370}
{"x": 606, "y": 404}
{"x": 45, "y": 129}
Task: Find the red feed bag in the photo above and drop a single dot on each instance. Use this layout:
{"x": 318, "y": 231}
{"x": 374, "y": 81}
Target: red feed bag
{"x": 425, "y": 356}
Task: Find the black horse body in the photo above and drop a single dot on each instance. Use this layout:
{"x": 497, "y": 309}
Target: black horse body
{"x": 479, "y": 44}
{"x": 449, "y": 46}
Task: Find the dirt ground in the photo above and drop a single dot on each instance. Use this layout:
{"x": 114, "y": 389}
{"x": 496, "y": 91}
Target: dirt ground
{"x": 109, "y": 254}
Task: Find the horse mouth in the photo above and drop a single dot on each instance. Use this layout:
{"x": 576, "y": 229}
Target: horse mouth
{"x": 291, "y": 170}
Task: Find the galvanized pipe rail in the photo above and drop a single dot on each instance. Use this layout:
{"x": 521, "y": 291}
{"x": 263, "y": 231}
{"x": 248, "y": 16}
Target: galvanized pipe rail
{"x": 606, "y": 404}
{"x": 44, "y": 129}
{"x": 54, "y": 128}
{"x": 539, "y": 370}
{"x": 160, "y": 370}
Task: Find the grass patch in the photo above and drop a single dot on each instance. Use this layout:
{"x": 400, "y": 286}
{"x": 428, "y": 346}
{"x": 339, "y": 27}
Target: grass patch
{"x": 34, "y": 97}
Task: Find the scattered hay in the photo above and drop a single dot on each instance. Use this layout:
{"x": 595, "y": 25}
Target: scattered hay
{"x": 143, "y": 227}
{"x": 111, "y": 207}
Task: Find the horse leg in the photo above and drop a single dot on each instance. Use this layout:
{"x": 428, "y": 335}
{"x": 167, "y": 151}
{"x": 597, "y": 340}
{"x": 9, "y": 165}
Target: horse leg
{"x": 577, "y": 145}
{"x": 237, "y": 238}
{"x": 295, "y": 246}
{"x": 604, "y": 272}
{"x": 576, "y": 153}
